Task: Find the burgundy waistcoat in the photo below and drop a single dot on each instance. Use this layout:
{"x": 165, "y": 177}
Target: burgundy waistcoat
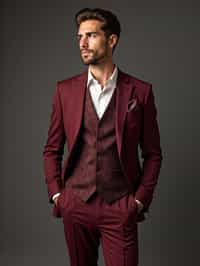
{"x": 96, "y": 165}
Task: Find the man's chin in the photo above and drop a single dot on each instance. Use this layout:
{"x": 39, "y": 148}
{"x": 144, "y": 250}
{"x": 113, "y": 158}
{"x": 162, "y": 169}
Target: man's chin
{"x": 88, "y": 62}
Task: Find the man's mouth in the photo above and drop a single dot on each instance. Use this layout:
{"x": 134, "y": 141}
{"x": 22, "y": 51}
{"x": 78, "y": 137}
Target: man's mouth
{"x": 85, "y": 52}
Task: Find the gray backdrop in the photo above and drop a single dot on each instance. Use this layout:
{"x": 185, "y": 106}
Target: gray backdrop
{"x": 159, "y": 43}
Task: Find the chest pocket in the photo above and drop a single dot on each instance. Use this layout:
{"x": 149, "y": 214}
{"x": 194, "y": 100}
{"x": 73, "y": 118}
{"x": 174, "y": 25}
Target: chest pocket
{"x": 133, "y": 113}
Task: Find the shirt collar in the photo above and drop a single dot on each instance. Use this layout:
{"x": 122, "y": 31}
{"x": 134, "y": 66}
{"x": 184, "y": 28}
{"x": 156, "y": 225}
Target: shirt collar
{"x": 111, "y": 81}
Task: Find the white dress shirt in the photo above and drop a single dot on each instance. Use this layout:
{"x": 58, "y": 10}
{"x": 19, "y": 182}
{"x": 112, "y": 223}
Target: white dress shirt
{"x": 101, "y": 96}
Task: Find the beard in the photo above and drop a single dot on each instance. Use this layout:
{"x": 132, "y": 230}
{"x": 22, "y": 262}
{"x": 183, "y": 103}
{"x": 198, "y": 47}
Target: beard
{"x": 92, "y": 57}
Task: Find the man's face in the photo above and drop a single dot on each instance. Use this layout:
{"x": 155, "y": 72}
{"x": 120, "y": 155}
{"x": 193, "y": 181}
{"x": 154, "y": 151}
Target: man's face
{"x": 93, "y": 43}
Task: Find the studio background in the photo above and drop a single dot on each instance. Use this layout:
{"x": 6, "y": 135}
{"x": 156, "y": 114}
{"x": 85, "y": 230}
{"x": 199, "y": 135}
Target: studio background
{"x": 159, "y": 43}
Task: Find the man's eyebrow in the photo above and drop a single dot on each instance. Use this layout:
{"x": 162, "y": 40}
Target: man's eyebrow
{"x": 87, "y": 33}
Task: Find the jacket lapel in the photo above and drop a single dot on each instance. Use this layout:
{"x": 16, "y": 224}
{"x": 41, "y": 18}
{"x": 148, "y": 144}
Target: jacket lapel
{"x": 124, "y": 92}
{"x": 78, "y": 95}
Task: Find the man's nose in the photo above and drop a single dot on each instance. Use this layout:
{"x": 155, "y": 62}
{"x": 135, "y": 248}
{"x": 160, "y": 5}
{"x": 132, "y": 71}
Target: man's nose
{"x": 83, "y": 42}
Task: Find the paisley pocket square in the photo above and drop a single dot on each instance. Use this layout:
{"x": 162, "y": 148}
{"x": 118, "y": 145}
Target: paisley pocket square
{"x": 131, "y": 104}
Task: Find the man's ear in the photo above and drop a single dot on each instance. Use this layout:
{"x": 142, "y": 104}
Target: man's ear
{"x": 113, "y": 39}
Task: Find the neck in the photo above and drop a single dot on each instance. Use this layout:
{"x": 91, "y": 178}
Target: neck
{"x": 102, "y": 72}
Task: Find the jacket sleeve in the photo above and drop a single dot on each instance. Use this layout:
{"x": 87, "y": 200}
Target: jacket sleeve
{"x": 150, "y": 151}
{"x": 54, "y": 148}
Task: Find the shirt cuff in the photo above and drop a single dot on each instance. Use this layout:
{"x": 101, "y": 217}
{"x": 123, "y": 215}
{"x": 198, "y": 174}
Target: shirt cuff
{"x": 55, "y": 196}
{"x": 141, "y": 206}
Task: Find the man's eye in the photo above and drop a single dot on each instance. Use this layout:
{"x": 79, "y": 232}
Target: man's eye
{"x": 92, "y": 35}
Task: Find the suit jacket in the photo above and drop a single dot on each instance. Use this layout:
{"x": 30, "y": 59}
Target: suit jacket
{"x": 135, "y": 124}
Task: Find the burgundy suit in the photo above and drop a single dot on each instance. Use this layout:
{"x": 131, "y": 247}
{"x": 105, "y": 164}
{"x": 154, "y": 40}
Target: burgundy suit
{"x": 135, "y": 123}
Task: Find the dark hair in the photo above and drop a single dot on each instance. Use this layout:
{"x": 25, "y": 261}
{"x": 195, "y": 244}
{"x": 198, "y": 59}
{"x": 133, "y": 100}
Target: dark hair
{"x": 110, "y": 21}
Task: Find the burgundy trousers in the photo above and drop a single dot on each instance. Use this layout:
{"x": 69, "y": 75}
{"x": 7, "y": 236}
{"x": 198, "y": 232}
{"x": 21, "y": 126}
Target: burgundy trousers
{"x": 87, "y": 224}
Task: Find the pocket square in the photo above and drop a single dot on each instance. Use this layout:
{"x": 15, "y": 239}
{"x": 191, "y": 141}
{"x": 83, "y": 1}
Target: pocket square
{"x": 131, "y": 104}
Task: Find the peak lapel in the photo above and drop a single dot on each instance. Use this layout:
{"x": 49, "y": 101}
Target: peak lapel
{"x": 78, "y": 91}
{"x": 124, "y": 92}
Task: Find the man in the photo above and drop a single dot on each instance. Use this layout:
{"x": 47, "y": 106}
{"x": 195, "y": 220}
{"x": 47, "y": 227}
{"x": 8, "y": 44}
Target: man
{"x": 102, "y": 191}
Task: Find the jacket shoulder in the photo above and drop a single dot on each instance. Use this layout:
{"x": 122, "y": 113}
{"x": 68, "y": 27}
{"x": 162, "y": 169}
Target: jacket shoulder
{"x": 138, "y": 82}
{"x": 142, "y": 88}
{"x": 68, "y": 81}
